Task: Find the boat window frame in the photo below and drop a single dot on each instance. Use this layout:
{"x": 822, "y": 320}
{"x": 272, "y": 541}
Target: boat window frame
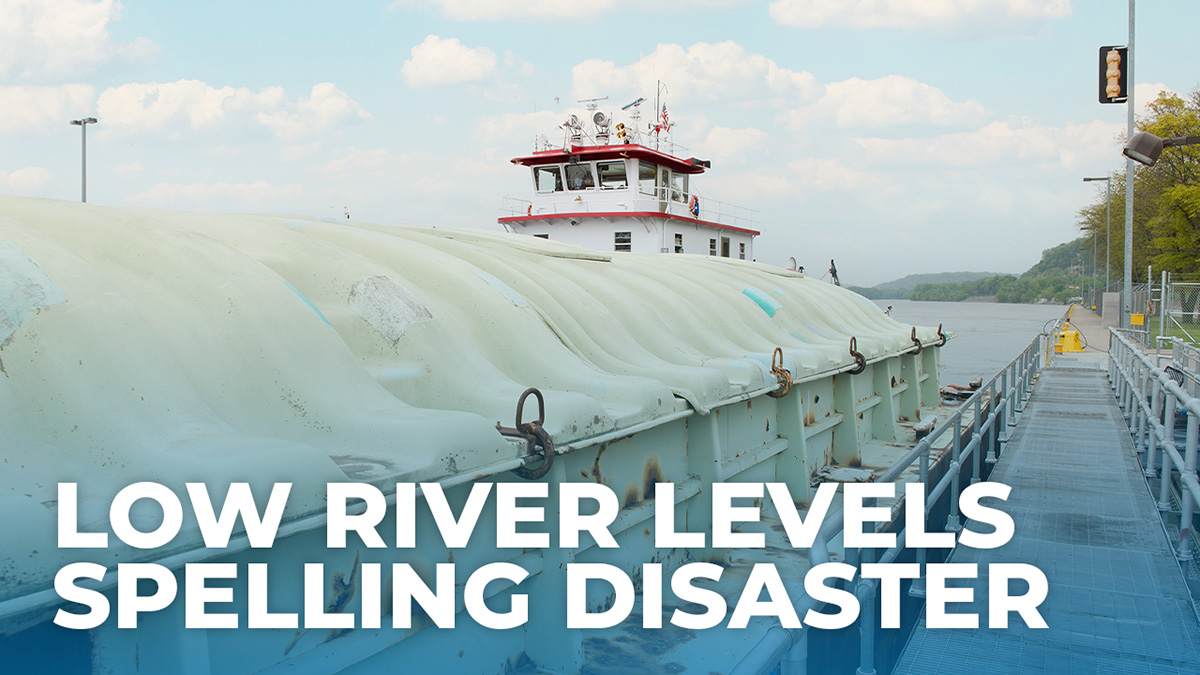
{"x": 588, "y": 180}
{"x": 552, "y": 169}
{"x": 647, "y": 171}
{"x": 623, "y": 241}
{"x": 604, "y": 183}
{"x": 679, "y": 186}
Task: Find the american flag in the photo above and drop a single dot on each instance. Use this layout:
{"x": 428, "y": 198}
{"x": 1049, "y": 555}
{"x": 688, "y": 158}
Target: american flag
{"x": 665, "y": 124}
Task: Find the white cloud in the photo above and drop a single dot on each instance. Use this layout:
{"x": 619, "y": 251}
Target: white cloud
{"x": 886, "y": 101}
{"x": 523, "y": 126}
{"x": 299, "y": 151}
{"x": 1145, "y": 93}
{"x": 725, "y": 145}
{"x": 491, "y": 10}
{"x": 442, "y": 61}
{"x": 356, "y": 160}
{"x": 38, "y": 108}
{"x": 141, "y": 50}
{"x": 909, "y": 14}
{"x": 25, "y": 181}
{"x": 830, "y": 174}
{"x": 323, "y": 107}
{"x": 1069, "y": 146}
{"x": 257, "y": 195}
{"x": 155, "y": 105}
{"x": 751, "y": 189}
{"x": 58, "y": 37}
{"x": 130, "y": 168}
{"x": 709, "y": 72}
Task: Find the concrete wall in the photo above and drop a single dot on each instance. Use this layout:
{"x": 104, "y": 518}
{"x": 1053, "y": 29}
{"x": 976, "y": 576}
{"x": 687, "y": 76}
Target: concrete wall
{"x": 1110, "y": 311}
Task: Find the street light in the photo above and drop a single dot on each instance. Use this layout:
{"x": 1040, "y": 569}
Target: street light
{"x": 1107, "y": 223}
{"x": 82, "y": 124}
{"x": 1145, "y": 147}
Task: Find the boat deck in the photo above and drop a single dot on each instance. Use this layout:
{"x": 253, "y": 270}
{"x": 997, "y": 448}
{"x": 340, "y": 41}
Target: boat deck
{"x": 1084, "y": 515}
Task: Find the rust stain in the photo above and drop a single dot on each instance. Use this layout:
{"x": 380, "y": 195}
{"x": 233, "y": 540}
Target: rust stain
{"x": 631, "y": 495}
{"x": 344, "y": 589}
{"x": 651, "y": 474}
{"x": 629, "y": 650}
{"x": 810, "y": 418}
{"x": 596, "y": 464}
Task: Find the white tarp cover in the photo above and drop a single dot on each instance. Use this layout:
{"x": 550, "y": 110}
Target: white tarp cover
{"x": 145, "y": 345}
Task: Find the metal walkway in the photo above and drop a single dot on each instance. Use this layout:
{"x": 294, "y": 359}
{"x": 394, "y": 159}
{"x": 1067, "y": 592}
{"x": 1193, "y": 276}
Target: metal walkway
{"x": 1117, "y": 601}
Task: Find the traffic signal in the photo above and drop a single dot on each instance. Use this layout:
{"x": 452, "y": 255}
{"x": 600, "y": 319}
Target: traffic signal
{"x": 1114, "y": 67}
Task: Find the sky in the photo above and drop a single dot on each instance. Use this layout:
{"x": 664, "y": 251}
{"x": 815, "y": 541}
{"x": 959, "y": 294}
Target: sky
{"x": 895, "y": 136}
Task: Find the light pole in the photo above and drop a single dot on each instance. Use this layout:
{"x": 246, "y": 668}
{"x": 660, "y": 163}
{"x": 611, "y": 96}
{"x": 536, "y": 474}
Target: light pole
{"x": 82, "y": 124}
{"x": 1107, "y": 223}
{"x": 1127, "y": 292}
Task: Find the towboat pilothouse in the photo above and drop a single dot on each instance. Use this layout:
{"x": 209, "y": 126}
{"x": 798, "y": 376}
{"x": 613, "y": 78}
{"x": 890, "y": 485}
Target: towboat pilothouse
{"x": 621, "y": 188}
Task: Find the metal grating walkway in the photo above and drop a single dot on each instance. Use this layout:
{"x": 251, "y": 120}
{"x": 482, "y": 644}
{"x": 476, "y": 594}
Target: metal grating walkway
{"x": 1117, "y": 602}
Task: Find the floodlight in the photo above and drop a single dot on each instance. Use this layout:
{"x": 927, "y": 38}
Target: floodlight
{"x": 1145, "y": 147}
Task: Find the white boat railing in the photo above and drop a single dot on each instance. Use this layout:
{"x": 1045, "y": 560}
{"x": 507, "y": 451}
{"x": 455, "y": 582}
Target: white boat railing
{"x": 674, "y": 202}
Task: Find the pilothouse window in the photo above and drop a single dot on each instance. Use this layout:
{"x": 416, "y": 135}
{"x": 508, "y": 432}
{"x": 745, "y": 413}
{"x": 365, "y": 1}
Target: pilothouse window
{"x": 579, "y": 177}
{"x": 679, "y": 186}
{"x": 646, "y": 174}
{"x": 548, "y": 179}
{"x": 612, "y": 175}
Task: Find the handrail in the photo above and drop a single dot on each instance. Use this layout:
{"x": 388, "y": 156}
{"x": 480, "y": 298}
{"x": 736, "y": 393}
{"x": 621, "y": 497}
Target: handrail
{"x": 664, "y": 199}
{"x": 1006, "y": 393}
{"x": 1150, "y": 398}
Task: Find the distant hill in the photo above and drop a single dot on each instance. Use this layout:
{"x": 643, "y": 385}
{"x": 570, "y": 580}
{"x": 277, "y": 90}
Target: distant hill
{"x": 1056, "y": 277}
{"x": 900, "y": 288}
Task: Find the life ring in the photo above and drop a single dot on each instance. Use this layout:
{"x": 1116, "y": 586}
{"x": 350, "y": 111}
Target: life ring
{"x": 694, "y": 206}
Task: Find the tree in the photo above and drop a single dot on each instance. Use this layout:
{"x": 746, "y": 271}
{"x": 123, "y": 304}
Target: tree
{"x": 1166, "y": 217}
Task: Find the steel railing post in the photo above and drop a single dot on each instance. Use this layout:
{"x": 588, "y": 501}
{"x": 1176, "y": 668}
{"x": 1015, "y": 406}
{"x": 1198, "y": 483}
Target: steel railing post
{"x": 1189, "y": 469}
{"x": 866, "y": 621}
{"x": 917, "y": 589}
{"x": 1009, "y": 404}
{"x": 1164, "y": 492}
{"x": 795, "y": 662}
{"x": 976, "y": 438}
{"x": 1143, "y": 385}
{"x": 952, "y": 521}
{"x": 993, "y": 418}
{"x": 1156, "y": 408}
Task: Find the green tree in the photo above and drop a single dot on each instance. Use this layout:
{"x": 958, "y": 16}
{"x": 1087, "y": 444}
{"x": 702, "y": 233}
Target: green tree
{"x": 1166, "y": 217}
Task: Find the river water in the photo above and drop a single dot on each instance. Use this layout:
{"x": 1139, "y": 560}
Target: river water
{"x": 988, "y": 334}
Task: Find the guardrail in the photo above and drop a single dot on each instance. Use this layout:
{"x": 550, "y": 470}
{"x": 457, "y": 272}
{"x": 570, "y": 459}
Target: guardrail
{"x": 1150, "y": 398}
{"x": 1185, "y": 359}
{"x": 661, "y": 200}
{"x": 1005, "y": 395}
